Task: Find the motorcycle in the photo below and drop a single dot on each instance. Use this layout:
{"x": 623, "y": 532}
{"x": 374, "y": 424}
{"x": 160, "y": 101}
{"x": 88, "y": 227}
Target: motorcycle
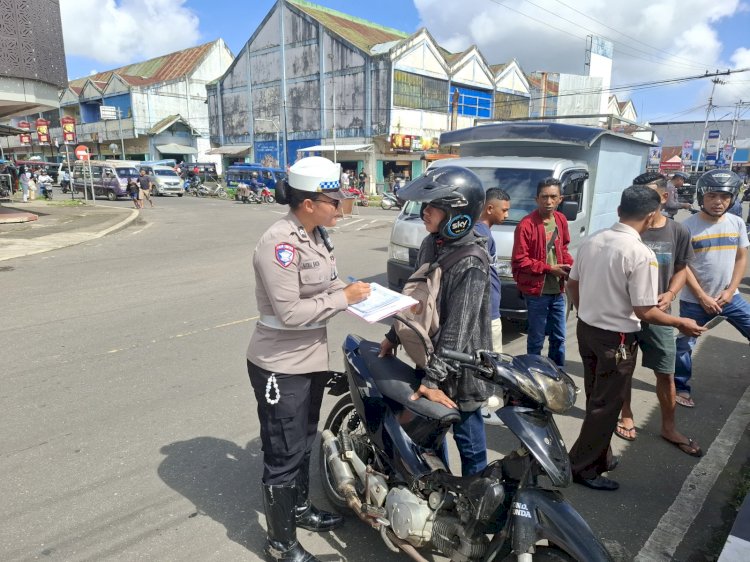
{"x": 390, "y": 200}
{"x": 382, "y": 456}
{"x": 45, "y": 189}
{"x": 361, "y": 198}
{"x": 247, "y": 195}
{"x": 191, "y": 185}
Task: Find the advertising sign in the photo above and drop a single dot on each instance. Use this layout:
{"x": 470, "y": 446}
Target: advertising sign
{"x": 687, "y": 153}
{"x": 107, "y": 112}
{"x": 42, "y": 131}
{"x": 712, "y": 146}
{"x": 24, "y": 138}
{"x": 654, "y": 156}
{"x": 68, "y": 129}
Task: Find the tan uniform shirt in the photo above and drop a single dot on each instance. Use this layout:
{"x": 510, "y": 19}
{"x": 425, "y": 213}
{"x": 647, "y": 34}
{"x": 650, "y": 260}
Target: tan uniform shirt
{"x": 296, "y": 285}
{"x": 616, "y": 271}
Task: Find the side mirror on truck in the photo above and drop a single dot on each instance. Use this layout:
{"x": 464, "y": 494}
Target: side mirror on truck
{"x": 569, "y": 209}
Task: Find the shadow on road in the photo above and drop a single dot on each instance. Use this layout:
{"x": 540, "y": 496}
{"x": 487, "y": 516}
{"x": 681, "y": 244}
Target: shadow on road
{"x": 222, "y": 479}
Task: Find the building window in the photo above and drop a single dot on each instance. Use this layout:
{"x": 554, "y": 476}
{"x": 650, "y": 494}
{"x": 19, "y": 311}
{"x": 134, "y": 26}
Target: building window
{"x": 510, "y": 106}
{"x": 473, "y": 103}
{"x": 419, "y": 92}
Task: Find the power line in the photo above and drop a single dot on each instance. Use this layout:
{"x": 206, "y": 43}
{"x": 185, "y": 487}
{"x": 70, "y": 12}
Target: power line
{"x": 625, "y": 34}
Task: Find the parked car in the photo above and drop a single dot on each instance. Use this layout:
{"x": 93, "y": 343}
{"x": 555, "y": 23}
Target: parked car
{"x": 109, "y": 178}
{"x": 165, "y": 180}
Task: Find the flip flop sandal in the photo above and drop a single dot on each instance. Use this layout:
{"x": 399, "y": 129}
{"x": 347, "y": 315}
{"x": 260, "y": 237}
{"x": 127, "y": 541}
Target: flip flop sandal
{"x": 690, "y": 448}
{"x": 624, "y": 432}
{"x": 684, "y": 400}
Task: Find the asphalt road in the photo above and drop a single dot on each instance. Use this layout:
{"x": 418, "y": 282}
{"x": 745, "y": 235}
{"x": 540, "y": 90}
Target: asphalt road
{"x": 129, "y": 428}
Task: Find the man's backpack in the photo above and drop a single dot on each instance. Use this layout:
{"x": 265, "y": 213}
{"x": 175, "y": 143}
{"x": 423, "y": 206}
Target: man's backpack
{"x": 418, "y": 327}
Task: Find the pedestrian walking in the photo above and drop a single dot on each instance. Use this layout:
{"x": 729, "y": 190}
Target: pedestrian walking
{"x": 720, "y": 244}
{"x": 144, "y": 183}
{"x": 540, "y": 264}
{"x": 670, "y": 242}
{"x": 452, "y": 200}
{"x": 613, "y": 285}
{"x": 24, "y": 178}
{"x": 297, "y": 291}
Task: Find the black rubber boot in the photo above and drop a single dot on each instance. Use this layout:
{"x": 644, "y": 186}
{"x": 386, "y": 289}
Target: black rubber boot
{"x": 306, "y": 514}
{"x": 282, "y": 545}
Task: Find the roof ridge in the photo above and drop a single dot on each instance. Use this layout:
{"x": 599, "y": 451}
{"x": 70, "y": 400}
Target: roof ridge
{"x": 304, "y": 3}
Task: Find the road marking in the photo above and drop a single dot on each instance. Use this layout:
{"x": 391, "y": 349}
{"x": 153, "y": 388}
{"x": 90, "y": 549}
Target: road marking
{"x": 674, "y": 524}
{"x": 190, "y": 333}
{"x": 142, "y": 229}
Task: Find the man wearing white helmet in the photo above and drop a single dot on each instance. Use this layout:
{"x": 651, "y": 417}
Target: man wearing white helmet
{"x": 297, "y": 289}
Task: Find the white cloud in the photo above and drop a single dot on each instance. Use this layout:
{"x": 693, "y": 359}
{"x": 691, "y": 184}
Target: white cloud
{"x": 663, "y": 39}
{"x": 119, "y": 32}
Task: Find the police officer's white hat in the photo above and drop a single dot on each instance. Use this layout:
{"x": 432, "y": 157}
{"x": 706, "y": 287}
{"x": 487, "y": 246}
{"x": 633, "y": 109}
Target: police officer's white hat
{"x": 318, "y": 175}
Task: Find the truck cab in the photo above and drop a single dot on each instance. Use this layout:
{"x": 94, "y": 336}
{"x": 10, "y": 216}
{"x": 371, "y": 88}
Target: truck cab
{"x": 516, "y": 157}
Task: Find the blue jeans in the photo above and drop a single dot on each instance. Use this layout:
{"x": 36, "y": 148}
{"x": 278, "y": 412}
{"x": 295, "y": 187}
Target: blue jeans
{"x": 546, "y": 317}
{"x": 471, "y": 442}
{"x": 737, "y": 312}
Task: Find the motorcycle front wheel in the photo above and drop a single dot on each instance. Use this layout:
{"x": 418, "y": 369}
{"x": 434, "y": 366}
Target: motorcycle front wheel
{"x": 343, "y": 416}
{"x": 221, "y": 193}
{"x": 386, "y": 204}
{"x": 269, "y": 199}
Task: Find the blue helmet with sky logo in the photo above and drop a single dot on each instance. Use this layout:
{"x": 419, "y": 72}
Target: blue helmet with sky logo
{"x": 453, "y": 189}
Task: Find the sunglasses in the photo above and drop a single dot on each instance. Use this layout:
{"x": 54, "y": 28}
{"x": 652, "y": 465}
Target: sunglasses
{"x": 334, "y": 202}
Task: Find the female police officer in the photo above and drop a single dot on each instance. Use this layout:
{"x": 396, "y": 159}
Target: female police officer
{"x": 297, "y": 290}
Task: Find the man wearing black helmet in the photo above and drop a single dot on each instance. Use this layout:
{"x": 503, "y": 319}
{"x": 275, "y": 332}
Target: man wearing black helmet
{"x": 452, "y": 200}
{"x": 720, "y": 243}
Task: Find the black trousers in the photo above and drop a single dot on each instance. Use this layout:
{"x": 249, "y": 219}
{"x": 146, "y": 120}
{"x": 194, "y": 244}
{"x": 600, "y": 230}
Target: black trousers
{"x": 287, "y": 429}
{"x": 607, "y": 383}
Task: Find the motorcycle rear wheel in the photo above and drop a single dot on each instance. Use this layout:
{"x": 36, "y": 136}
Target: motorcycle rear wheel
{"x": 386, "y": 204}
{"x": 545, "y": 554}
{"x": 342, "y": 414}
{"x": 221, "y": 193}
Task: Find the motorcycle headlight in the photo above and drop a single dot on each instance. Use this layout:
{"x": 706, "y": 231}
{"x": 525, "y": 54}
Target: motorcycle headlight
{"x": 503, "y": 268}
{"x": 559, "y": 391}
{"x": 398, "y": 253}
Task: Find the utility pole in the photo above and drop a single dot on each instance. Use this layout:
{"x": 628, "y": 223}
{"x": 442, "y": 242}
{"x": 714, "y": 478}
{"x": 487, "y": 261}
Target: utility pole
{"x": 705, "y": 124}
{"x": 735, "y": 127}
{"x": 333, "y": 107}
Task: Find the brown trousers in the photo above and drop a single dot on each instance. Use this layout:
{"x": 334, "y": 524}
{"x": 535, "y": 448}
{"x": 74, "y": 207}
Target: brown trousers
{"x": 607, "y": 382}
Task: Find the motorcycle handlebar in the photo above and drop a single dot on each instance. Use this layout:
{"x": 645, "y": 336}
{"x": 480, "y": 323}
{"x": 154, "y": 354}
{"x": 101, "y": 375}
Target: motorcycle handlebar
{"x": 458, "y": 356}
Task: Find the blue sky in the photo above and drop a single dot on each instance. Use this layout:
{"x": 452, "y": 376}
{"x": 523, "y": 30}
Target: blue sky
{"x": 652, "y": 41}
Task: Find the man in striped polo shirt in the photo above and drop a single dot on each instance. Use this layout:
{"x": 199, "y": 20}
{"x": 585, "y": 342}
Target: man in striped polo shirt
{"x": 720, "y": 244}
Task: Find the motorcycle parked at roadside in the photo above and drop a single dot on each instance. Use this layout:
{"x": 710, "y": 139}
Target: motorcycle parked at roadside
{"x": 390, "y": 201}
{"x": 382, "y": 457}
{"x": 209, "y": 190}
{"x": 45, "y": 188}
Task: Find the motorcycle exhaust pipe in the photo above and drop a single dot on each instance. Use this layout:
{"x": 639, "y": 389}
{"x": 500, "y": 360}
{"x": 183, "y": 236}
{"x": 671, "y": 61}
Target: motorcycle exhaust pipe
{"x": 344, "y": 477}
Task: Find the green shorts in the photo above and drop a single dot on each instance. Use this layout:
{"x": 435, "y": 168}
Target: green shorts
{"x": 658, "y": 347}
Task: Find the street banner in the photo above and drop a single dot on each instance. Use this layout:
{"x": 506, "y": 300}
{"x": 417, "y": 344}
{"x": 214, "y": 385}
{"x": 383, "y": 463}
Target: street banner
{"x": 24, "y": 138}
{"x": 68, "y": 129}
{"x": 687, "y": 153}
{"x": 42, "y": 131}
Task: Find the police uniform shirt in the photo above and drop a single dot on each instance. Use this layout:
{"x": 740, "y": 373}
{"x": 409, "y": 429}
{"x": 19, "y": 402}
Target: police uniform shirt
{"x": 297, "y": 290}
{"x": 616, "y": 271}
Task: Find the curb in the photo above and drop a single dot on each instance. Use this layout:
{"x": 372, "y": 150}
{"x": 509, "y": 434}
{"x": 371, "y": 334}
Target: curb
{"x": 737, "y": 546}
{"x": 41, "y": 245}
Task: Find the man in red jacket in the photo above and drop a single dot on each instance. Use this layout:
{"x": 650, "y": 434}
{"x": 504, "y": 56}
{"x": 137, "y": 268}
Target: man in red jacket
{"x": 541, "y": 263}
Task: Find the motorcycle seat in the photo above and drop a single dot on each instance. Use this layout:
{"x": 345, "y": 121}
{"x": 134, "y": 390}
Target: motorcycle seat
{"x": 398, "y": 381}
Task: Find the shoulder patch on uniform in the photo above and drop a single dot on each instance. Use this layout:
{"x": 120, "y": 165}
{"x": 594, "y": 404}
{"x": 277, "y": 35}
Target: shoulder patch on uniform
{"x": 284, "y": 254}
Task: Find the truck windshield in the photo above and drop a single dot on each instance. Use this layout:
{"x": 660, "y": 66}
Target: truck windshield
{"x": 520, "y": 183}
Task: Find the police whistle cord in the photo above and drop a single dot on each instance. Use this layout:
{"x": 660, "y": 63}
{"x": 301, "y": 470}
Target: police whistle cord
{"x": 326, "y": 239}
{"x": 272, "y": 387}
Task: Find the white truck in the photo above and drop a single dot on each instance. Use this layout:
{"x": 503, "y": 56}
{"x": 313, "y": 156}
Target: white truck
{"x": 594, "y": 165}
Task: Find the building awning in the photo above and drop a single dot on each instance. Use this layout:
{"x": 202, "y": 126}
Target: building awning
{"x": 337, "y": 148}
{"x": 173, "y": 148}
{"x": 231, "y": 149}
{"x": 9, "y": 131}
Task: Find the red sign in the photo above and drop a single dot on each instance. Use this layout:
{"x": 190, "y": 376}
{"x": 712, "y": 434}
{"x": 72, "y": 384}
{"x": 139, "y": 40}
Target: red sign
{"x": 82, "y": 152}
{"x": 25, "y": 138}
{"x": 68, "y": 129}
{"x": 42, "y": 131}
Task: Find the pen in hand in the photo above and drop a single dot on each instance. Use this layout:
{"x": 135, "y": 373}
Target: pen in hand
{"x": 356, "y": 291}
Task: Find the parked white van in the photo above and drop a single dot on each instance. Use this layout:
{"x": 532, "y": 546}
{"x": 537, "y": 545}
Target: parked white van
{"x": 594, "y": 166}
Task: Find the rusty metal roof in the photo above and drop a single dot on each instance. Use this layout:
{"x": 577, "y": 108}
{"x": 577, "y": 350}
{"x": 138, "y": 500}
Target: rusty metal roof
{"x": 160, "y": 69}
{"x": 361, "y": 33}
